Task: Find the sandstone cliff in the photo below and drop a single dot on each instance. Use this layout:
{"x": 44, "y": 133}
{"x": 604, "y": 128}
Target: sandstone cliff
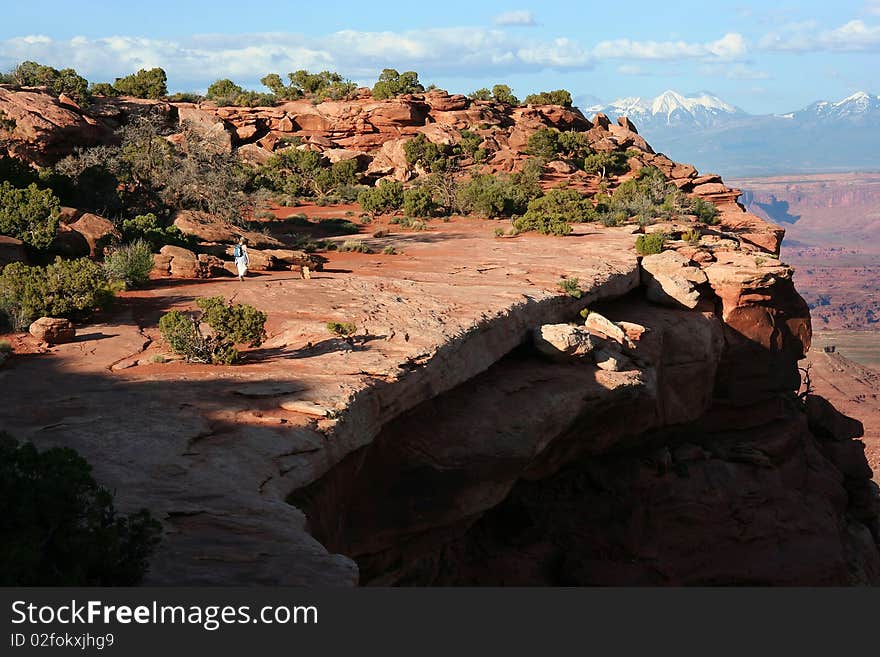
{"x": 445, "y": 448}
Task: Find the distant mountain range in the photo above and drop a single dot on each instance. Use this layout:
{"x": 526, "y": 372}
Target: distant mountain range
{"x": 719, "y": 137}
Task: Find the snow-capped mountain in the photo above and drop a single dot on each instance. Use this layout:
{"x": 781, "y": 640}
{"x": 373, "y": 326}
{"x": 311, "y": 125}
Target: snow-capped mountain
{"x": 715, "y": 135}
{"x": 671, "y": 109}
{"x": 859, "y": 106}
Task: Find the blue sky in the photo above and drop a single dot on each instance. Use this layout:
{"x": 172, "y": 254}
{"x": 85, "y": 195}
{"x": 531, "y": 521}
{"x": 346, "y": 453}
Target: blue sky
{"x": 763, "y": 57}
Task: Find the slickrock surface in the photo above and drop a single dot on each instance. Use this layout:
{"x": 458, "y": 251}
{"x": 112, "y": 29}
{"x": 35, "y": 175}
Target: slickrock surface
{"x": 214, "y": 451}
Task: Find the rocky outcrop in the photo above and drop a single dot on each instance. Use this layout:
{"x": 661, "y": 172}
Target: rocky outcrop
{"x": 209, "y": 229}
{"x": 474, "y": 429}
{"x": 45, "y": 128}
{"x": 52, "y": 330}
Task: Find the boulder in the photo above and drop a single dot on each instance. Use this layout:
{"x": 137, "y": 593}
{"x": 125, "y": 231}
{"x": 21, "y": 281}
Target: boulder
{"x": 97, "y": 232}
{"x": 560, "y": 167}
{"x": 293, "y": 259}
{"x": 604, "y": 327}
{"x": 183, "y": 263}
{"x": 208, "y": 228}
{"x": 70, "y": 243}
{"x": 208, "y": 126}
{"x": 53, "y": 330}
{"x": 671, "y": 280}
{"x": 254, "y": 154}
{"x": 11, "y": 250}
{"x": 563, "y": 341}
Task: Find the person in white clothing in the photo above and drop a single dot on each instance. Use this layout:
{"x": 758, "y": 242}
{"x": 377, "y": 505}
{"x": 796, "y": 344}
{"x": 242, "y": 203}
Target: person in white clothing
{"x": 241, "y": 258}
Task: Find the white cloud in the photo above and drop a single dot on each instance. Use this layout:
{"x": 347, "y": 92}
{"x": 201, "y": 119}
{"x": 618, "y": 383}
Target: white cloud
{"x": 735, "y": 71}
{"x": 730, "y": 46}
{"x": 631, "y": 69}
{"x": 194, "y": 62}
{"x": 872, "y": 7}
{"x": 853, "y": 36}
{"x": 516, "y": 17}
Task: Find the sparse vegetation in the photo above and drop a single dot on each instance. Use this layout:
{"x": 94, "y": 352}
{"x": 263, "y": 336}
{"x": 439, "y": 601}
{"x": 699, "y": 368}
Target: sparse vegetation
{"x": 326, "y": 85}
{"x": 60, "y": 527}
{"x": 29, "y": 214}
{"x": 391, "y": 84}
{"x": 355, "y": 246}
{"x": 146, "y": 83}
{"x": 130, "y": 263}
{"x": 557, "y": 97}
{"x": 647, "y": 197}
{"x": 344, "y": 330}
{"x": 692, "y": 236}
{"x": 572, "y": 287}
{"x": 65, "y": 81}
{"x": 65, "y": 288}
{"x": 231, "y": 325}
{"x": 385, "y": 197}
{"x": 418, "y": 202}
{"x": 389, "y": 250}
{"x": 553, "y": 213}
{"x": 650, "y": 244}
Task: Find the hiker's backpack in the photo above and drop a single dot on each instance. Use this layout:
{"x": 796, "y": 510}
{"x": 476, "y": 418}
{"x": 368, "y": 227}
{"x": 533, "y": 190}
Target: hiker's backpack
{"x": 236, "y": 253}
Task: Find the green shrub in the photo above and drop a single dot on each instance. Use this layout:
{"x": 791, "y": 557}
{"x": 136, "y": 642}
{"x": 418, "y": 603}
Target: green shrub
{"x": 65, "y": 81}
{"x": 543, "y": 143}
{"x": 146, "y": 83}
{"x": 501, "y": 93}
{"x": 385, "y": 197}
{"x": 706, "y": 211}
{"x": 572, "y": 287}
{"x": 29, "y": 214}
{"x": 103, "y": 89}
{"x": 389, "y": 250}
{"x": 421, "y": 150}
{"x": 355, "y": 246}
{"x": 240, "y": 323}
{"x": 231, "y": 324}
{"x": 186, "y": 97}
{"x": 650, "y": 244}
{"x": 60, "y": 527}
{"x": 574, "y": 146}
{"x": 606, "y": 164}
{"x": 149, "y": 228}
{"x": 65, "y": 288}
{"x": 130, "y": 263}
{"x": 480, "y": 94}
{"x": 319, "y": 86}
{"x": 391, "y": 84}
{"x": 497, "y": 196}
{"x": 553, "y": 213}
{"x": 344, "y": 330}
{"x": 647, "y": 196}
{"x": 224, "y": 91}
{"x": 290, "y": 171}
{"x": 418, "y": 202}
{"x": 558, "y": 97}
{"x": 692, "y": 236}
